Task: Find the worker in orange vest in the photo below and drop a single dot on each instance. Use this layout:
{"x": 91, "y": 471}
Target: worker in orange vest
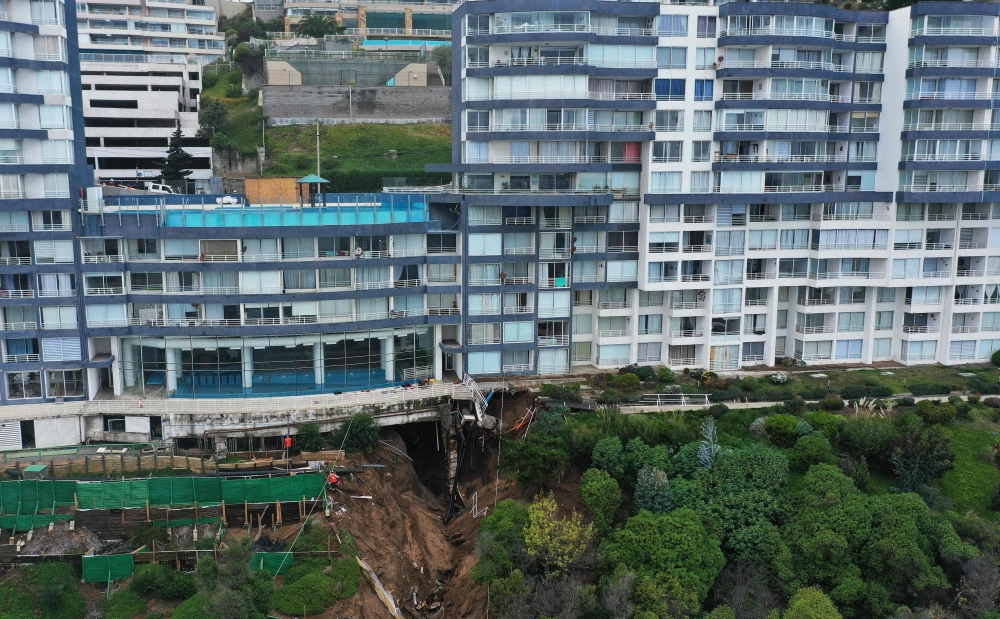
{"x": 333, "y": 480}
{"x": 288, "y": 444}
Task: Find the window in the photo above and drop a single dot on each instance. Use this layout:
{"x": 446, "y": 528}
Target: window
{"x": 650, "y": 299}
{"x": 701, "y": 151}
{"x": 477, "y": 120}
{"x": 52, "y": 82}
{"x": 64, "y": 383}
{"x": 704, "y": 90}
{"x": 905, "y": 268}
{"x": 477, "y": 152}
{"x": 668, "y": 152}
{"x": 481, "y": 333}
{"x": 648, "y": 352}
{"x": 851, "y": 321}
{"x": 484, "y": 362}
{"x": 669, "y": 120}
{"x": 61, "y": 349}
{"x": 23, "y": 385}
{"x": 852, "y": 294}
{"x": 883, "y": 321}
{"x": 583, "y": 324}
{"x": 60, "y": 317}
{"x": 848, "y": 349}
{"x": 514, "y": 332}
{"x": 703, "y": 120}
{"x": 669, "y": 89}
{"x": 782, "y": 319}
{"x": 54, "y": 117}
{"x": 704, "y": 58}
{"x": 665, "y": 182}
{"x": 484, "y": 304}
{"x": 57, "y": 151}
{"x": 485, "y": 244}
{"x": 671, "y": 57}
{"x": 701, "y": 182}
{"x": 650, "y": 324}
{"x": 53, "y": 252}
{"x": 706, "y": 27}
{"x": 56, "y": 185}
{"x": 672, "y": 25}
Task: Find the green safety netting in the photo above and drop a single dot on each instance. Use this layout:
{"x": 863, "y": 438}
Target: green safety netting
{"x": 31, "y": 495}
{"x": 273, "y": 562}
{"x": 107, "y": 568}
{"x": 180, "y": 491}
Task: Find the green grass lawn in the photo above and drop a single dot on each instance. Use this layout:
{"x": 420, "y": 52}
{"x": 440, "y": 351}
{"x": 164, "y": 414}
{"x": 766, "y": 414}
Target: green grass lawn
{"x": 969, "y": 484}
{"x": 898, "y": 380}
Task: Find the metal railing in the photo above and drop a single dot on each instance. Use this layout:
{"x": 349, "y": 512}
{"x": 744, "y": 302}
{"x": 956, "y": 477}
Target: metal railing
{"x": 687, "y": 333}
{"x": 785, "y": 32}
{"x": 22, "y": 358}
{"x": 18, "y": 326}
{"x": 671, "y": 399}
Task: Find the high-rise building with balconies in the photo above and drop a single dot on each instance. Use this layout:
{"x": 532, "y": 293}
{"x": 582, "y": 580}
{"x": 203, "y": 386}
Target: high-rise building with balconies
{"x": 722, "y": 185}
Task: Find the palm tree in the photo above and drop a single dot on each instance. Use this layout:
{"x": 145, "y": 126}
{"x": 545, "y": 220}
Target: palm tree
{"x": 318, "y": 25}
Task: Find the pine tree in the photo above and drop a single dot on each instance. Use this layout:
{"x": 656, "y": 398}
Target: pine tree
{"x": 178, "y": 164}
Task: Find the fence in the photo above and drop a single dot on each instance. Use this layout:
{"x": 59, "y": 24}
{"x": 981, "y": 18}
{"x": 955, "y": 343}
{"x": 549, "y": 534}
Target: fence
{"x": 107, "y": 568}
{"x": 119, "y": 464}
{"x": 178, "y": 491}
{"x": 670, "y": 399}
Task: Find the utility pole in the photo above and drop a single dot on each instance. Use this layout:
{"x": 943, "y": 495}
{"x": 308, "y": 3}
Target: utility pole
{"x": 317, "y": 147}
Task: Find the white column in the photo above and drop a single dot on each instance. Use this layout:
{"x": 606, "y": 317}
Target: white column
{"x": 173, "y": 356}
{"x": 388, "y": 365}
{"x": 116, "y": 366}
{"x": 247, "y": 367}
{"x": 320, "y": 375}
{"x": 772, "y": 326}
{"x": 438, "y": 358}
{"x": 127, "y": 363}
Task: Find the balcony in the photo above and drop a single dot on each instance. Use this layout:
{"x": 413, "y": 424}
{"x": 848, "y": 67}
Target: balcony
{"x": 783, "y": 189}
{"x": 614, "y": 305}
{"x": 531, "y": 28}
{"x": 697, "y": 249}
{"x": 590, "y": 219}
{"x": 954, "y": 31}
{"x": 812, "y": 330}
{"x": 24, "y": 358}
{"x": 103, "y": 291}
{"x": 937, "y": 188}
{"x": 759, "y": 276}
{"x": 970, "y": 273}
{"x": 687, "y": 305}
{"x": 556, "y": 282}
{"x": 590, "y": 249}
{"x": 553, "y": 340}
{"x": 576, "y": 61}
{"x": 19, "y": 294}
{"x": 784, "y": 96}
{"x": 555, "y": 254}
{"x": 927, "y": 356}
{"x": 511, "y": 281}
{"x": 965, "y": 329}
{"x": 687, "y": 333}
{"x": 956, "y": 301}
{"x": 932, "y": 246}
{"x": 558, "y": 223}
{"x": 613, "y": 361}
{"x": 519, "y": 251}
{"x": 682, "y": 362}
{"x": 753, "y": 359}
{"x": 519, "y": 309}
{"x": 724, "y": 365}
{"x": 18, "y": 326}
{"x": 43, "y": 293}
{"x": 721, "y": 158}
{"x": 848, "y": 275}
{"x": 100, "y": 259}
{"x": 520, "y": 368}
{"x": 754, "y": 302}
{"x": 687, "y": 277}
{"x": 972, "y": 244}
{"x": 785, "y": 32}
{"x": 815, "y": 302}
{"x": 785, "y": 64}
{"x": 586, "y": 278}
{"x": 15, "y": 261}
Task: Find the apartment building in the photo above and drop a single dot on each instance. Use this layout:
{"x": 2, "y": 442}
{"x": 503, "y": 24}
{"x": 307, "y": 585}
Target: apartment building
{"x": 142, "y": 77}
{"x": 376, "y": 19}
{"x": 42, "y": 168}
{"x": 721, "y": 186}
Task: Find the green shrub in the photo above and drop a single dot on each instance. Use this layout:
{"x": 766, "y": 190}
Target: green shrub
{"x": 627, "y": 382}
{"x": 749, "y": 384}
{"x": 857, "y": 470}
{"x": 974, "y": 398}
{"x": 906, "y": 401}
{"x": 315, "y": 592}
{"x": 146, "y": 534}
{"x": 827, "y": 423}
{"x": 995, "y": 496}
{"x": 929, "y": 388}
{"x": 794, "y": 405}
{"x": 854, "y": 392}
{"x": 359, "y": 434}
{"x": 933, "y": 412}
{"x": 59, "y": 596}
{"x": 559, "y": 392}
{"x": 963, "y": 409}
{"x": 645, "y": 373}
{"x": 161, "y": 582}
{"x": 550, "y": 421}
{"x": 995, "y": 357}
{"x": 832, "y": 403}
{"x": 665, "y": 375}
{"x": 602, "y": 496}
{"x": 195, "y": 607}
{"x": 539, "y": 458}
{"x": 124, "y": 605}
{"x": 309, "y": 438}
{"x": 718, "y": 410}
{"x": 781, "y": 429}
{"x": 609, "y": 455}
{"x": 610, "y": 396}
{"x": 810, "y": 450}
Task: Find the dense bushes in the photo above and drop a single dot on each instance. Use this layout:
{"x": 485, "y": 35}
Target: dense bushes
{"x": 930, "y": 388}
{"x": 810, "y": 450}
{"x": 856, "y": 392}
{"x": 561, "y": 393}
{"x": 360, "y": 434}
{"x": 781, "y": 429}
{"x": 163, "y": 583}
{"x": 934, "y": 412}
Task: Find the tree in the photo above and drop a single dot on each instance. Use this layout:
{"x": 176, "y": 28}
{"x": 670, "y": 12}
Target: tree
{"x": 501, "y": 542}
{"x": 811, "y": 603}
{"x": 674, "y": 558}
{"x": 441, "y": 55}
{"x": 555, "y": 542}
{"x": 610, "y": 456}
{"x": 213, "y": 114}
{"x": 309, "y": 438}
{"x": 708, "y": 449}
{"x": 538, "y": 459}
{"x": 652, "y": 491}
{"x": 318, "y": 25}
{"x": 810, "y": 450}
{"x": 602, "y": 496}
{"x": 359, "y": 434}
{"x": 178, "y": 164}
{"x": 924, "y": 455}
{"x": 639, "y": 455}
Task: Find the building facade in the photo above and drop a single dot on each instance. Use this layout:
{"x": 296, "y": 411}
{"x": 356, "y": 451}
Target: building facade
{"x": 142, "y": 77}
{"x": 721, "y": 186}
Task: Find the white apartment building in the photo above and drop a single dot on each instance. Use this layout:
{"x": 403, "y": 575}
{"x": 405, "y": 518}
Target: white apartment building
{"x": 722, "y": 185}
{"x": 141, "y": 66}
